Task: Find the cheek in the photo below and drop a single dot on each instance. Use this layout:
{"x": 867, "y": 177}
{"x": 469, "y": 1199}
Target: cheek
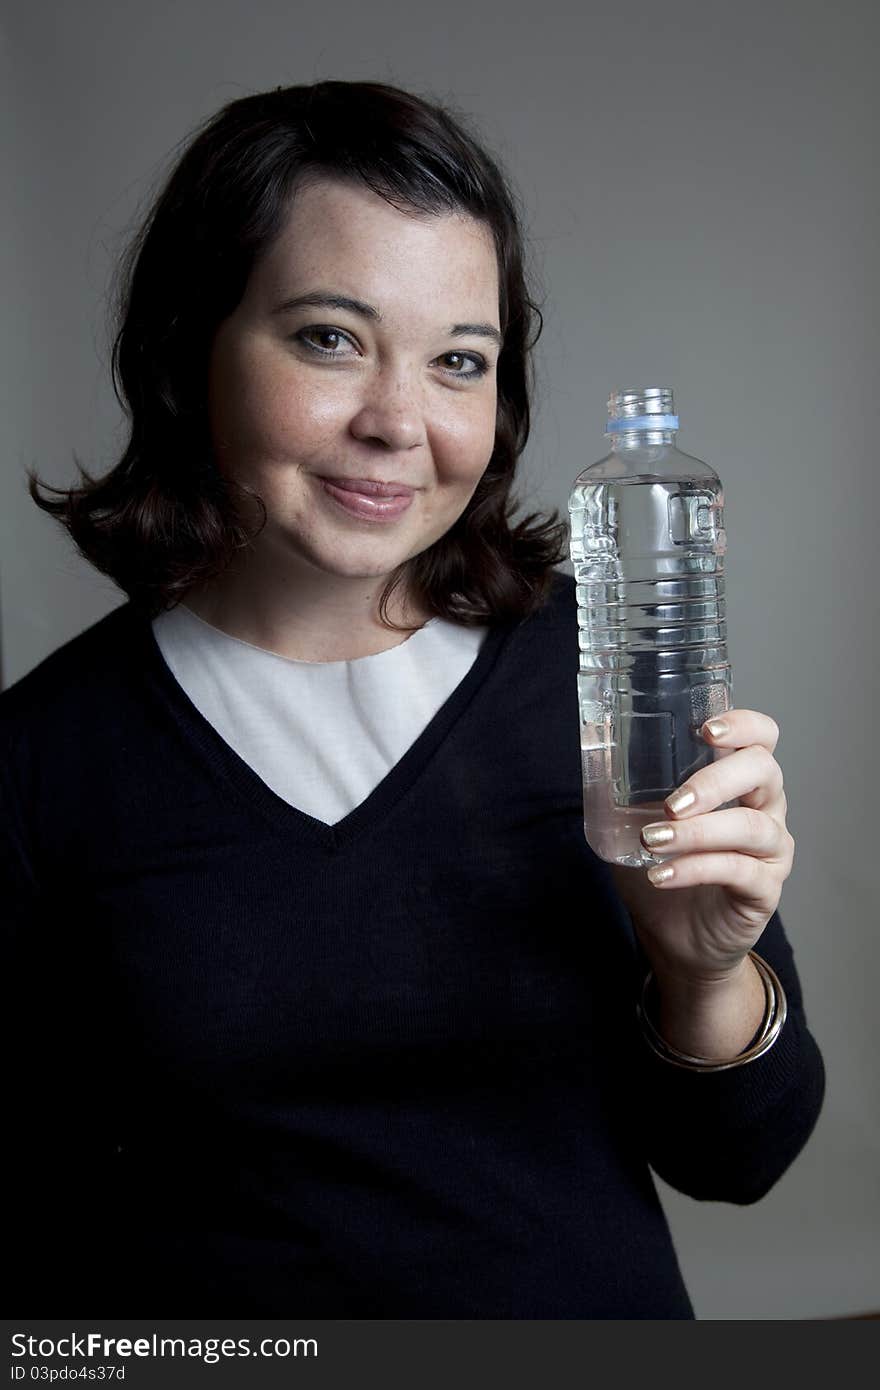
{"x": 468, "y": 439}
{"x": 293, "y": 420}
{"x": 258, "y": 406}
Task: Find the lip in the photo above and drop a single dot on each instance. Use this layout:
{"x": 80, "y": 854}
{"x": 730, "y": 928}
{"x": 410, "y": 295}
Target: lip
{"x": 365, "y": 507}
{"x": 369, "y": 487}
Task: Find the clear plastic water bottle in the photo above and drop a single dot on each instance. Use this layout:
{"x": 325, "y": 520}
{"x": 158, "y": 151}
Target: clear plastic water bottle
{"x": 647, "y": 546}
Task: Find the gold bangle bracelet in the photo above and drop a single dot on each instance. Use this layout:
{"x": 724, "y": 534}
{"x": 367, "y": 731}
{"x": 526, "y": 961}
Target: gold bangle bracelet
{"x": 775, "y": 1014}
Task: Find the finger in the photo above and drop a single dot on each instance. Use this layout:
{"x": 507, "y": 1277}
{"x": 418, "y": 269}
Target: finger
{"x": 753, "y": 881}
{"x": 752, "y": 774}
{"x": 740, "y": 828}
{"x": 744, "y": 727}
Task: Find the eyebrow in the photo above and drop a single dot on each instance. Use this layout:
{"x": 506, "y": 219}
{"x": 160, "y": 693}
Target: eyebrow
{"x": 324, "y": 300}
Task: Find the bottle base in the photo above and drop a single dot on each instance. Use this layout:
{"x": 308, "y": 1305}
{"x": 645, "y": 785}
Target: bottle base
{"x": 614, "y": 835}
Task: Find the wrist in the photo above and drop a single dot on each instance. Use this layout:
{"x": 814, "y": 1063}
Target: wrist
{"x": 712, "y": 1018}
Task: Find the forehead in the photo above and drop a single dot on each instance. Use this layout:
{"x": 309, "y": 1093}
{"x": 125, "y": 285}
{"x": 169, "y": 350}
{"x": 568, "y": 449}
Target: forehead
{"x": 343, "y": 236}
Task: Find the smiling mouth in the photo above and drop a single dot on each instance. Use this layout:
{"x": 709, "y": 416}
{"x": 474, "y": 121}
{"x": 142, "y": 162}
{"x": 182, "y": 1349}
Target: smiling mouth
{"x": 364, "y": 506}
{"x": 369, "y": 487}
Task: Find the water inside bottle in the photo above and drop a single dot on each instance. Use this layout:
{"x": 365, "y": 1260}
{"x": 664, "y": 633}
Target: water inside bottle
{"x": 649, "y": 570}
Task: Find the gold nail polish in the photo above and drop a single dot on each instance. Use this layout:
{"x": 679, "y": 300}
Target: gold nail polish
{"x": 717, "y": 727}
{"x": 657, "y": 835}
{"x": 679, "y": 801}
{"x": 661, "y": 873}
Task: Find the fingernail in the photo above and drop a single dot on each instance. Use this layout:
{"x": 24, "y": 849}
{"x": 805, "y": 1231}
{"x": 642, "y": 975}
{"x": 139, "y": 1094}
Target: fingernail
{"x": 660, "y": 873}
{"x": 657, "y": 835}
{"x": 679, "y": 801}
{"x": 717, "y": 727}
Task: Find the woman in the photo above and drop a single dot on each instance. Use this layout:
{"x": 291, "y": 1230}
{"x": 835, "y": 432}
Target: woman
{"x": 335, "y": 1012}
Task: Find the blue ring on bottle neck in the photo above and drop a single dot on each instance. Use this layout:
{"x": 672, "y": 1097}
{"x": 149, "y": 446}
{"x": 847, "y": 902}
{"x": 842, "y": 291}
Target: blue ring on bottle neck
{"x": 642, "y": 422}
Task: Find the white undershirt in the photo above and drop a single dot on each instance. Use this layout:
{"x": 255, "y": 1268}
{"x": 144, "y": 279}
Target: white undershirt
{"x": 322, "y": 735}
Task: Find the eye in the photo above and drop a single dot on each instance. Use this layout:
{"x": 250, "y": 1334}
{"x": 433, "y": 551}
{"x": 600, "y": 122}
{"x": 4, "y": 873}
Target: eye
{"x": 480, "y": 365}
{"x": 318, "y": 330}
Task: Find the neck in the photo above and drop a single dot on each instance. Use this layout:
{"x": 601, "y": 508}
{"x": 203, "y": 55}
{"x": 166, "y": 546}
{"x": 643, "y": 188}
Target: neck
{"x": 313, "y": 616}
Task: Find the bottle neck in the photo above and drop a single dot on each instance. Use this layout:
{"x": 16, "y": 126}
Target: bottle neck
{"x": 641, "y": 439}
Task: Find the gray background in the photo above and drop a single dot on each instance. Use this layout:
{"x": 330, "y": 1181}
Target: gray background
{"x": 701, "y": 213}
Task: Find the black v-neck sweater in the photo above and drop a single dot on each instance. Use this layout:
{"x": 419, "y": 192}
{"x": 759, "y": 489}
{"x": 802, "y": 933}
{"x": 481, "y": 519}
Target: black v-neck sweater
{"x": 388, "y": 1068}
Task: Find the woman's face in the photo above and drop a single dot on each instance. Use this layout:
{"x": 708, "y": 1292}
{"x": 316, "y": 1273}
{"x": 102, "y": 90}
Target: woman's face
{"x": 399, "y": 387}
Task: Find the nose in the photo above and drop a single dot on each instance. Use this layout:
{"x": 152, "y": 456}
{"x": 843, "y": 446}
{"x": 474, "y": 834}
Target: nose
{"x": 390, "y": 413}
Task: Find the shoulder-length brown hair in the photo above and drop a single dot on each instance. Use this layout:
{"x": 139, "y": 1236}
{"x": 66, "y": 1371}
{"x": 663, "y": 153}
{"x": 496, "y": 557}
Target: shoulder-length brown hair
{"x": 164, "y": 519}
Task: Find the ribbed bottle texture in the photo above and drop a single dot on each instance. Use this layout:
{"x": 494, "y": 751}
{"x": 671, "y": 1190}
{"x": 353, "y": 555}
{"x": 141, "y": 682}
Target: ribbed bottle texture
{"x": 647, "y": 546}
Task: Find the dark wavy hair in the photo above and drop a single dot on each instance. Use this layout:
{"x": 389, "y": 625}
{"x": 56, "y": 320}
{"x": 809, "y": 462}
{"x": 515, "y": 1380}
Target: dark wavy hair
{"x": 164, "y": 518}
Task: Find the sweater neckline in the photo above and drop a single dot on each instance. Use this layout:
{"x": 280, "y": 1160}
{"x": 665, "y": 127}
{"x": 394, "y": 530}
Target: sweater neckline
{"x": 289, "y": 820}
{"x": 222, "y": 636}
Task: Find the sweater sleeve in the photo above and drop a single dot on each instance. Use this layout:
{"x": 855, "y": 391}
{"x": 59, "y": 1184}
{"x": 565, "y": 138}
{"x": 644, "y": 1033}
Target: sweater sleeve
{"x": 22, "y": 913}
{"x": 20, "y": 890}
{"x": 57, "y": 1151}
{"x": 729, "y": 1136}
